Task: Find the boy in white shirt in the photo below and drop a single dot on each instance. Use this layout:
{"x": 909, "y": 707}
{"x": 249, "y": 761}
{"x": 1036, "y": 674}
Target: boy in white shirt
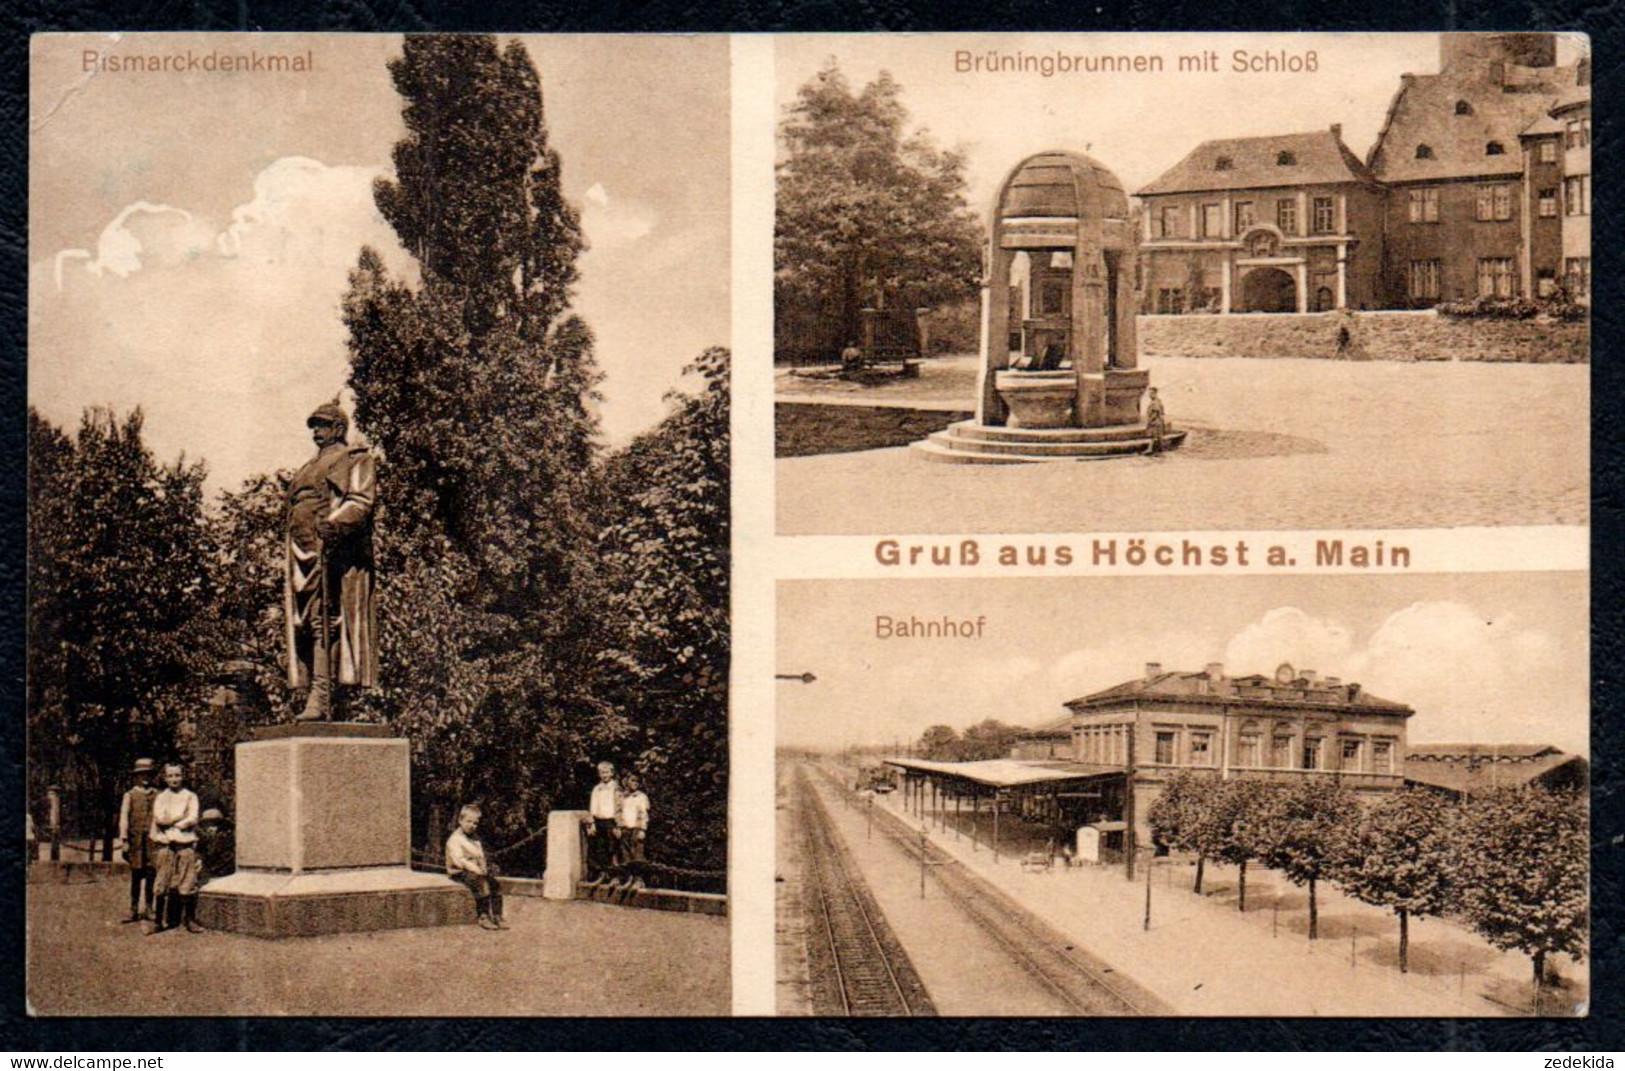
{"x": 174, "y": 833}
{"x": 603, "y": 823}
{"x": 466, "y": 863}
{"x": 634, "y": 828}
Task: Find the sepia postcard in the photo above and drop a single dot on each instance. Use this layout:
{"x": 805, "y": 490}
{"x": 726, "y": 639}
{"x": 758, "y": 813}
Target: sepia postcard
{"x": 378, "y": 541}
{"x": 1138, "y": 565}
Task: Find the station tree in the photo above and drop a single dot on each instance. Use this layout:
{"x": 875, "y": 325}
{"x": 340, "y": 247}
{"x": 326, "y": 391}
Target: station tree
{"x": 1403, "y": 857}
{"x": 1304, "y": 830}
{"x": 1177, "y": 813}
{"x": 867, "y": 213}
{"x": 1525, "y": 881}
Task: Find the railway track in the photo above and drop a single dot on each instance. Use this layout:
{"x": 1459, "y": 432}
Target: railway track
{"x": 856, "y": 964}
{"x": 1082, "y": 983}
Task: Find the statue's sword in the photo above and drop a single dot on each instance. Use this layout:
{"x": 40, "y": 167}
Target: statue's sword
{"x": 326, "y": 629}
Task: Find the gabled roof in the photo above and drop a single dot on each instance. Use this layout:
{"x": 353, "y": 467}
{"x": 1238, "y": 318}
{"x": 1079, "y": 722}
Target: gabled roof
{"x": 1199, "y": 687}
{"x": 1061, "y": 726}
{"x": 1423, "y": 112}
{"x": 1320, "y": 157}
{"x": 1467, "y": 768}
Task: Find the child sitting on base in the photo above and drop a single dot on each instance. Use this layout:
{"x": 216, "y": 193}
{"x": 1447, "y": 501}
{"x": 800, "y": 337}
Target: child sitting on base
{"x": 466, "y": 863}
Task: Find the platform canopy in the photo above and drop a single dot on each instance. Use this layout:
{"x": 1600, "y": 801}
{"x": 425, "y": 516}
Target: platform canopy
{"x": 1009, "y": 773}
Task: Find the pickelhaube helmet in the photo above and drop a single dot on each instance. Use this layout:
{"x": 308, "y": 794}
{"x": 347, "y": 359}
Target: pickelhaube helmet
{"x": 327, "y": 413}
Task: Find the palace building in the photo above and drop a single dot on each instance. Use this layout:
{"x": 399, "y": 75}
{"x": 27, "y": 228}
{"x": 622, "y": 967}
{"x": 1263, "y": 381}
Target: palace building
{"x": 1479, "y": 185}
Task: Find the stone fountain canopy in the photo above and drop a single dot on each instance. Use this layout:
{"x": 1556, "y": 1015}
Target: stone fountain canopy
{"x": 1059, "y": 377}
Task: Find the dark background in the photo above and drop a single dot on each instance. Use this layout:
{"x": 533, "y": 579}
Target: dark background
{"x": 1601, "y": 1032}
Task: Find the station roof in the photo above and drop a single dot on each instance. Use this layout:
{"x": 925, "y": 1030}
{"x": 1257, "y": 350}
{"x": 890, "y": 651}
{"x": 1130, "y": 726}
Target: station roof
{"x": 1476, "y": 767}
{"x": 1213, "y": 686}
{"x": 1009, "y": 773}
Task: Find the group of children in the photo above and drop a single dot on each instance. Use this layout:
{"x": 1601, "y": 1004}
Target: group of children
{"x": 170, "y": 846}
{"x": 617, "y": 829}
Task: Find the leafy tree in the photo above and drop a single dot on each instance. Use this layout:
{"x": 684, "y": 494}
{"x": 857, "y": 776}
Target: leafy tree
{"x": 1525, "y": 880}
{"x": 988, "y": 739}
{"x": 1227, "y": 827}
{"x": 1177, "y": 814}
{"x": 1402, "y": 858}
{"x": 479, "y": 389}
{"x": 666, "y": 542}
{"x": 118, "y": 599}
{"x": 939, "y": 743}
{"x": 867, "y": 213}
{"x": 1303, "y": 830}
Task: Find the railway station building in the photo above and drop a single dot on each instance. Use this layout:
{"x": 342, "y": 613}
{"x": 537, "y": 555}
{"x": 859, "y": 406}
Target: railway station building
{"x": 1126, "y": 742}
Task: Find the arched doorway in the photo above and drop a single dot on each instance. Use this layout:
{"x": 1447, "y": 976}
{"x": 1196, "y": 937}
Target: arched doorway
{"x": 1269, "y": 290}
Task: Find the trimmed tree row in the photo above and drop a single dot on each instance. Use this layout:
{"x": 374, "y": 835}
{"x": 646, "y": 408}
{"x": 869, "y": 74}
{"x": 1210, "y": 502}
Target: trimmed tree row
{"x": 1511, "y": 862}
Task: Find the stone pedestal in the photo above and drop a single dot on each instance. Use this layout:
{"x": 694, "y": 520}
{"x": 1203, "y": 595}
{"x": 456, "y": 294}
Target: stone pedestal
{"x": 324, "y": 838}
{"x": 1112, "y": 398}
{"x": 566, "y": 861}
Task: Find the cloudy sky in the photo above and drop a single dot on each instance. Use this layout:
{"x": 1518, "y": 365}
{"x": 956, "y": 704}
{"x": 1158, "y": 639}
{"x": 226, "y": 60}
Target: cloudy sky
{"x": 1139, "y": 125}
{"x": 190, "y": 233}
{"x": 1487, "y": 658}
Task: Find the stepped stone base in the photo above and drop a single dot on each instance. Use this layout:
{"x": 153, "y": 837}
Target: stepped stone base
{"x": 969, "y": 443}
{"x": 262, "y": 903}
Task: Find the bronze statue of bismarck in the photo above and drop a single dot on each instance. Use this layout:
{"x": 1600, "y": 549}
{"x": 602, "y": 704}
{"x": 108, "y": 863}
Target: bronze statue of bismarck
{"x": 328, "y": 595}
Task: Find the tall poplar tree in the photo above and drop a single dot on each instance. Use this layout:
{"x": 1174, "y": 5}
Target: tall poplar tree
{"x": 479, "y": 388}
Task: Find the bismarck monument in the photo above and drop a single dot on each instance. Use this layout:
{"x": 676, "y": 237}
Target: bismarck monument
{"x": 323, "y": 808}
{"x": 1059, "y": 379}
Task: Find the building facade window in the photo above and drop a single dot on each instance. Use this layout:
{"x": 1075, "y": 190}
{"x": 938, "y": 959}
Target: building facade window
{"x": 1382, "y": 756}
{"x": 1281, "y": 751}
{"x": 1424, "y": 280}
{"x": 1325, "y": 217}
{"x": 1494, "y": 148}
{"x": 1212, "y": 221}
{"x": 1463, "y": 108}
{"x": 1201, "y": 749}
{"x": 1494, "y": 202}
{"x": 1351, "y": 755}
{"x": 1577, "y": 195}
{"x": 1170, "y": 221}
{"x": 1286, "y": 159}
{"x": 1244, "y": 216}
{"x": 1545, "y": 282}
{"x": 1249, "y": 751}
{"x": 1223, "y": 163}
{"x": 1547, "y": 153}
{"x": 1424, "y": 204}
{"x": 1311, "y": 753}
{"x": 1165, "y": 748}
{"x": 1577, "y": 133}
{"x": 1286, "y": 215}
{"x": 1577, "y": 276}
{"x": 1548, "y": 203}
{"x": 1424, "y": 152}
{"x": 1170, "y": 301}
{"x": 1496, "y": 277}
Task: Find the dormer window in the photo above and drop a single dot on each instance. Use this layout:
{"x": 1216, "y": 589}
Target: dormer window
{"x": 1223, "y": 163}
{"x": 1424, "y": 152}
{"x": 1286, "y": 159}
{"x": 1463, "y": 108}
{"x": 1494, "y": 148}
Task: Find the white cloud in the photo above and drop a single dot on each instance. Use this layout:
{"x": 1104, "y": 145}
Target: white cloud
{"x": 612, "y": 225}
{"x": 1287, "y": 634}
{"x": 141, "y": 228}
{"x": 227, "y": 333}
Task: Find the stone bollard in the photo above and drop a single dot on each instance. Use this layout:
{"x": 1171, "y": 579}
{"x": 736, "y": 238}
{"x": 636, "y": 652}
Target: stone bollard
{"x": 566, "y": 860}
